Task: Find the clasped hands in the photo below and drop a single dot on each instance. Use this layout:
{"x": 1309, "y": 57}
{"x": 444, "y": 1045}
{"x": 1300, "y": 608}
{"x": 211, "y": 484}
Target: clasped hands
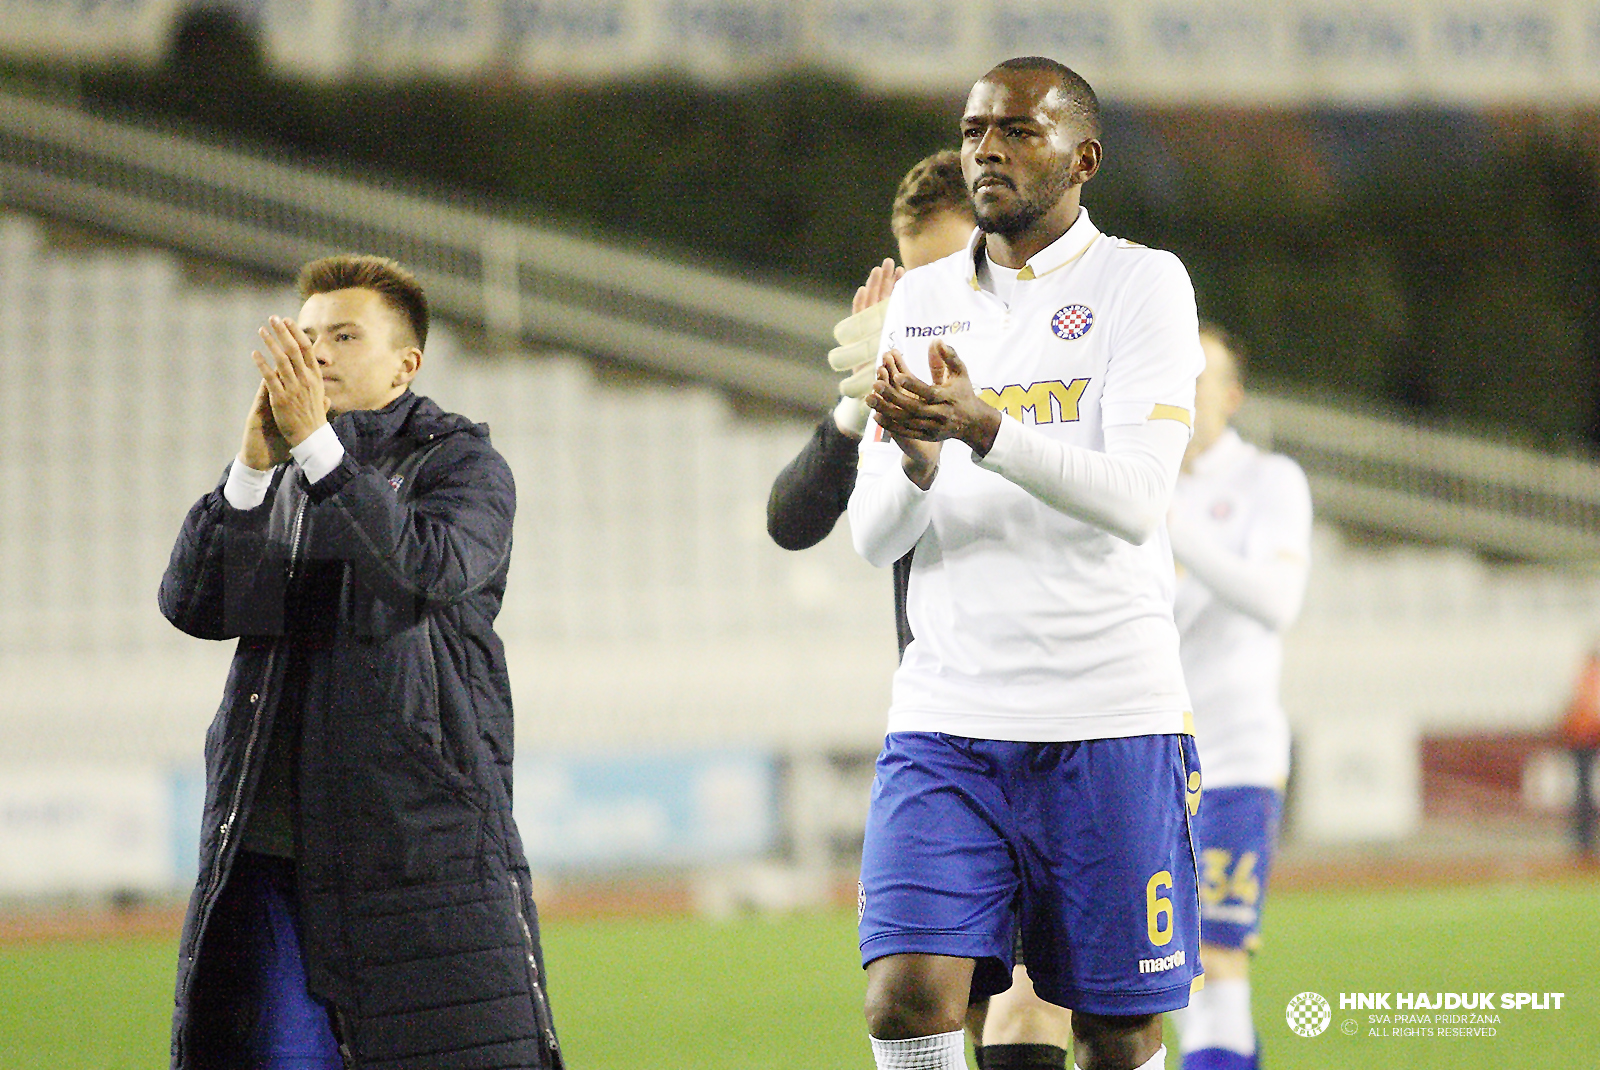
{"x": 290, "y": 403}
{"x": 919, "y": 416}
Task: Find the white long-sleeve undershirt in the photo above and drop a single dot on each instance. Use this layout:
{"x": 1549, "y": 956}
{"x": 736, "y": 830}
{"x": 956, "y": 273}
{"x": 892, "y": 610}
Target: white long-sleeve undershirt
{"x": 1269, "y": 590}
{"x": 887, "y": 517}
{"x": 317, "y": 454}
{"x": 1124, "y": 491}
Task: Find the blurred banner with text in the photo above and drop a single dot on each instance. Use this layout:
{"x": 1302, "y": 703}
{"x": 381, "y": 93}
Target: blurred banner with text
{"x": 1379, "y": 52}
{"x": 93, "y": 829}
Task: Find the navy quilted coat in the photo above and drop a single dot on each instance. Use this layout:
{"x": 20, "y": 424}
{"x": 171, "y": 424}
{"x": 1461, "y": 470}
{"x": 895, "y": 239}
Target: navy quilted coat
{"x": 363, "y": 608}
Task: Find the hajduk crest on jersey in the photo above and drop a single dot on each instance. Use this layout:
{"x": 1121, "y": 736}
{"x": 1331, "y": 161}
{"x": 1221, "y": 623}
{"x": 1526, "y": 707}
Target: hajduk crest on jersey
{"x": 1072, "y": 322}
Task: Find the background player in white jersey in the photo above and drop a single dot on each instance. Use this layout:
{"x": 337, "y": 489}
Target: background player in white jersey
{"x": 931, "y": 219}
{"x": 1241, "y": 533}
{"x": 1037, "y": 770}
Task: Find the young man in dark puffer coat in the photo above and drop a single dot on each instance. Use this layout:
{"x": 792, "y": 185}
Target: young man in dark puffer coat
{"x": 363, "y": 898}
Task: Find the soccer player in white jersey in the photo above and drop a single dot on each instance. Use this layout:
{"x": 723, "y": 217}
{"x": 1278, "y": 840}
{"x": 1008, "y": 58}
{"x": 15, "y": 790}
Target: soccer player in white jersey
{"x": 931, "y": 219}
{"x": 1032, "y": 404}
{"x": 1241, "y": 532}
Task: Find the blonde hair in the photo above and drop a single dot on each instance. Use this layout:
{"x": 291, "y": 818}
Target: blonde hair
{"x": 1228, "y": 342}
{"x": 399, "y": 288}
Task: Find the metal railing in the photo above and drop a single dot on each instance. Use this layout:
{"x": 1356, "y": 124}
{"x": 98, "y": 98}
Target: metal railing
{"x": 1390, "y": 475}
{"x": 528, "y": 283}
{"x": 520, "y": 282}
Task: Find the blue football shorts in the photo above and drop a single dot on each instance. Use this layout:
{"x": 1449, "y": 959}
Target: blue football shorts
{"x": 292, "y": 1030}
{"x": 1084, "y": 848}
{"x": 1234, "y": 837}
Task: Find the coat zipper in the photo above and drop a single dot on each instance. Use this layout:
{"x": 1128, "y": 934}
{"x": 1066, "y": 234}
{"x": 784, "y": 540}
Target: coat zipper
{"x": 541, "y": 1004}
{"x": 346, "y": 1052}
{"x": 226, "y": 829}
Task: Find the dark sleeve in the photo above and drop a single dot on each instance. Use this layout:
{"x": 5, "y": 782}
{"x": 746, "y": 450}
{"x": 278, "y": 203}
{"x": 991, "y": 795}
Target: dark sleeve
{"x": 225, "y": 577}
{"x": 439, "y": 547}
{"x": 902, "y": 591}
{"x": 813, "y": 489}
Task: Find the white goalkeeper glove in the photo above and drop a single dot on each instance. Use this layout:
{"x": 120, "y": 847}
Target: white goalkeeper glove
{"x": 856, "y": 353}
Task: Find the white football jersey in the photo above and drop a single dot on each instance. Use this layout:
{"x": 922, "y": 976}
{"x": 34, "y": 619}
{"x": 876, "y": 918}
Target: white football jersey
{"x": 1255, "y": 507}
{"x": 1029, "y": 624}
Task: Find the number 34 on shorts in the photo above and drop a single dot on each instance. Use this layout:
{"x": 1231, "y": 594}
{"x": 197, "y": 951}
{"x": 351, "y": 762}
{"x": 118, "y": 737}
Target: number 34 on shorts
{"x": 1224, "y": 878}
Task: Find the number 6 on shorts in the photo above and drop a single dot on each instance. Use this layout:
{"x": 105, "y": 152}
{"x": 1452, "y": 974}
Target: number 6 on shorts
{"x": 1157, "y": 905}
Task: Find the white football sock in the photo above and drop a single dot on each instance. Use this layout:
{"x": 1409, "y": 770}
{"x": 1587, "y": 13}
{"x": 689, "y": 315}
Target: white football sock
{"x": 1158, "y": 1061}
{"x": 1218, "y": 1016}
{"x": 942, "y": 1051}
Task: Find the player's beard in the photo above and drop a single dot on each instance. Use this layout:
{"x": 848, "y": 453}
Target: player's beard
{"x": 1033, "y": 203}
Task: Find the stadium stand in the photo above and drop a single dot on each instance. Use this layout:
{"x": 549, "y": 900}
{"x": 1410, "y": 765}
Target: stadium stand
{"x": 647, "y": 608}
{"x": 523, "y": 283}
{"x": 641, "y": 551}
{"x": 648, "y": 611}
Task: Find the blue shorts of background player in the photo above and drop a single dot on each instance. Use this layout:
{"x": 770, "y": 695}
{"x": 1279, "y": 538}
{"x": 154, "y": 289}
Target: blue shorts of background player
{"x": 1084, "y": 846}
{"x": 1235, "y": 834}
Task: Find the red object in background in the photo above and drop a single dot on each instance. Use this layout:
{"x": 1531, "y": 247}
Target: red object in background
{"x": 1477, "y": 777}
{"x": 1580, "y": 728}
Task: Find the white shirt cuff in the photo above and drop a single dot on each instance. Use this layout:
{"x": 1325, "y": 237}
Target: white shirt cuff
{"x": 1005, "y": 441}
{"x": 318, "y": 453}
{"x": 850, "y": 416}
{"x": 246, "y": 488}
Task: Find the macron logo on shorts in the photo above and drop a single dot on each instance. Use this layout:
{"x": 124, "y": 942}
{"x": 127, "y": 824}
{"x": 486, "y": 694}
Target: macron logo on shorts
{"x": 1171, "y": 962}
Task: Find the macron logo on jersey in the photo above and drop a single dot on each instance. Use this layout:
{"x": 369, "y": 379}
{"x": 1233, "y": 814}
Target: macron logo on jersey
{"x": 939, "y": 331}
{"x": 1052, "y": 402}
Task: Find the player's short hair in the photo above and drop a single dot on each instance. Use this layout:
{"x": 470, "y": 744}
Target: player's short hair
{"x": 933, "y": 185}
{"x": 399, "y": 288}
{"x": 1079, "y": 93}
{"x": 1227, "y": 341}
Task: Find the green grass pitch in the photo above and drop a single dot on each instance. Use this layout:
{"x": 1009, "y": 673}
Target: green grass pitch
{"x": 770, "y": 993}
